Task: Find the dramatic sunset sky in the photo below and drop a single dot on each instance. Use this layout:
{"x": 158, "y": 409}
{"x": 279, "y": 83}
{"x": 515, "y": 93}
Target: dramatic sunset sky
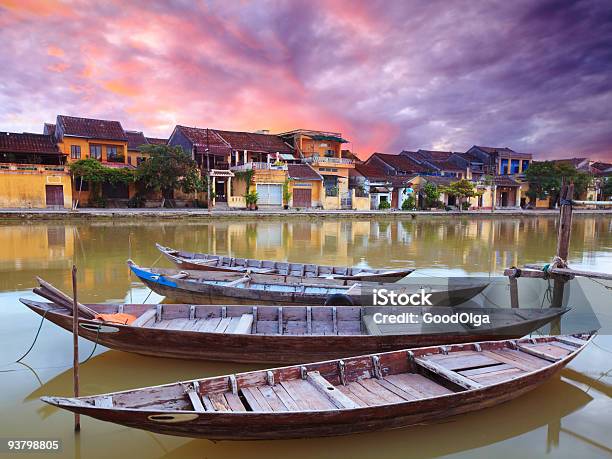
{"x": 534, "y": 75}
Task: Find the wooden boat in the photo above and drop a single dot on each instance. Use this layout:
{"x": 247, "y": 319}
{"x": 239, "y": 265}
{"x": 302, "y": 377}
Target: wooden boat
{"x": 204, "y": 287}
{"x": 357, "y": 394}
{"x": 269, "y": 334}
{"x": 208, "y": 262}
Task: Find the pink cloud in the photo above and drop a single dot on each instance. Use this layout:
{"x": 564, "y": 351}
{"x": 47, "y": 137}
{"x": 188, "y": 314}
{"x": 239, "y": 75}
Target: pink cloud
{"x": 388, "y": 75}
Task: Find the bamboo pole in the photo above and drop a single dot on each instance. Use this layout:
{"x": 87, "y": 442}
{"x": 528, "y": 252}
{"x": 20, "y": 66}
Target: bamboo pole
{"x": 75, "y": 345}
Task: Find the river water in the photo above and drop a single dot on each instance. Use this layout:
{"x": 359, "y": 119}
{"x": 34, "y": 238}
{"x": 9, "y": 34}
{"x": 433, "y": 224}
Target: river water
{"x": 569, "y": 416}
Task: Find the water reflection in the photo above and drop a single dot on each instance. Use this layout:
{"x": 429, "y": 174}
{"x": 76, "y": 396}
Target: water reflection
{"x": 483, "y": 245}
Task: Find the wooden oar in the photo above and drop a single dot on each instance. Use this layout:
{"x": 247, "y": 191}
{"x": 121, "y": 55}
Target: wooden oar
{"x": 64, "y": 300}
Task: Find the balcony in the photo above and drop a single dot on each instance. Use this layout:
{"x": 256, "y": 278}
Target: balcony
{"x": 259, "y": 166}
{"x": 329, "y": 161}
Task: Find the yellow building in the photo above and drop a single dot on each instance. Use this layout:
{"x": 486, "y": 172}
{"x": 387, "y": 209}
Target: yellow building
{"x": 323, "y": 151}
{"x": 32, "y": 172}
{"x": 104, "y": 140}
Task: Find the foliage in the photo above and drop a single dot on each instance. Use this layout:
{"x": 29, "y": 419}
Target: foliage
{"x": 462, "y": 189}
{"x": 384, "y": 205}
{"x": 95, "y": 173}
{"x": 465, "y": 205}
{"x": 167, "y": 169}
{"x": 409, "y": 203}
{"x": 286, "y": 193}
{"x": 246, "y": 177}
{"x": 432, "y": 194}
{"x": 545, "y": 180}
{"x": 251, "y": 198}
{"x": 91, "y": 170}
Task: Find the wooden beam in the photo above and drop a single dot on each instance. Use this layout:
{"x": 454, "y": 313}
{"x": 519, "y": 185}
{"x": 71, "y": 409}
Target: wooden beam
{"x": 452, "y": 376}
{"x": 514, "y": 298}
{"x": 194, "y": 397}
{"x": 327, "y": 389}
{"x": 144, "y": 318}
{"x": 244, "y": 324}
{"x": 540, "y": 354}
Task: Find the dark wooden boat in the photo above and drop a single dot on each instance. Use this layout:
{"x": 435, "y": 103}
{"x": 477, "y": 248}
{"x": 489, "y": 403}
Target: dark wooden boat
{"x": 269, "y": 334}
{"x": 204, "y": 287}
{"x": 209, "y": 262}
{"x": 357, "y": 394}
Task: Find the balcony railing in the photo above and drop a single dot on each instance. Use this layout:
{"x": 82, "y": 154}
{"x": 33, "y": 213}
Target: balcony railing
{"x": 328, "y": 159}
{"x": 259, "y": 166}
{"x": 20, "y": 167}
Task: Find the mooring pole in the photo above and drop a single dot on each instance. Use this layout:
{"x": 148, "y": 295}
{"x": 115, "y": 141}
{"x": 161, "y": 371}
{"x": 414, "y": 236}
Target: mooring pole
{"x": 563, "y": 243}
{"x": 75, "y": 345}
{"x": 565, "y": 223}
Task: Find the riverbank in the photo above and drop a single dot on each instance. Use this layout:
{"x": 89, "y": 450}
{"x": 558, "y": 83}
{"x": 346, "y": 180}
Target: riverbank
{"x": 90, "y": 214}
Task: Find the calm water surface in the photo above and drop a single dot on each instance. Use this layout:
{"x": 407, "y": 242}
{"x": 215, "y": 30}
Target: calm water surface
{"x": 569, "y": 416}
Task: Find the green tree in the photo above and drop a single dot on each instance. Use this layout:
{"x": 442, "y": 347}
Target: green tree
{"x": 462, "y": 189}
{"x": 432, "y": 194}
{"x": 545, "y": 179}
{"x": 409, "y": 203}
{"x": 167, "y": 169}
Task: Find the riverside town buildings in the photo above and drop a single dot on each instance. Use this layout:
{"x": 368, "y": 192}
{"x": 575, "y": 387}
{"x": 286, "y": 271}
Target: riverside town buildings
{"x": 309, "y": 167}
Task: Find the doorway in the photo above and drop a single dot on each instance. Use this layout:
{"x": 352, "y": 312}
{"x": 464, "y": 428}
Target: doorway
{"x": 54, "y": 195}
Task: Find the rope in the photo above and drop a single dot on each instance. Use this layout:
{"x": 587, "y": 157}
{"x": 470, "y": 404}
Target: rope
{"x": 42, "y": 321}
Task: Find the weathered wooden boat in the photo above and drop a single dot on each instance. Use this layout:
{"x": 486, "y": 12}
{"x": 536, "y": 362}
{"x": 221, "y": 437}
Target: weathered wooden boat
{"x": 208, "y": 262}
{"x": 204, "y": 287}
{"x": 269, "y": 334}
{"x": 357, "y": 394}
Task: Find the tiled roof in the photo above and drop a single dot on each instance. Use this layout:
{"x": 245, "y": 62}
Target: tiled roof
{"x": 302, "y": 172}
{"x": 135, "y": 139}
{"x": 157, "y": 141}
{"x": 495, "y": 149}
{"x": 49, "y": 129}
{"x": 11, "y": 142}
{"x": 470, "y": 157}
{"x": 434, "y": 155}
{"x": 91, "y": 128}
{"x": 504, "y": 151}
{"x": 371, "y": 172}
{"x": 402, "y": 163}
{"x": 220, "y": 142}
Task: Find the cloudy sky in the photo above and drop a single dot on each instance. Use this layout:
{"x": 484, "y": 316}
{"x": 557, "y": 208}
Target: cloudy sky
{"x": 534, "y": 75}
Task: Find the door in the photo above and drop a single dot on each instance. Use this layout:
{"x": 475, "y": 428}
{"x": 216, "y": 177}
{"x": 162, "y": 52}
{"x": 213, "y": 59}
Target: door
{"x": 395, "y": 199}
{"x": 220, "y": 192}
{"x": 269, "y": 194}
{"x": 504, "y": 199}
{"x": 302, "y": 197}
{"x": 54, "y": 195}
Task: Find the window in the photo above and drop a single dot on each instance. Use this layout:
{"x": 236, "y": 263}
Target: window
{"x": 95, "y": 152}
{"x": 525, "y": 165}
{"x": 503, "y": 170}
{"x": 129, "y": 160}
{"x": 113, "y": 154}
{"x": 329, "y": 153}
{"x": 514, "y": 166}
{"x": 75, "y": 152}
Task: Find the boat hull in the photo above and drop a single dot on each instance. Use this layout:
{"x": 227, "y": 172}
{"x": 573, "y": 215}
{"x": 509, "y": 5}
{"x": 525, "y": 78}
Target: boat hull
{"x": 289, "y": 425}
{"x": 278, "y": 349}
